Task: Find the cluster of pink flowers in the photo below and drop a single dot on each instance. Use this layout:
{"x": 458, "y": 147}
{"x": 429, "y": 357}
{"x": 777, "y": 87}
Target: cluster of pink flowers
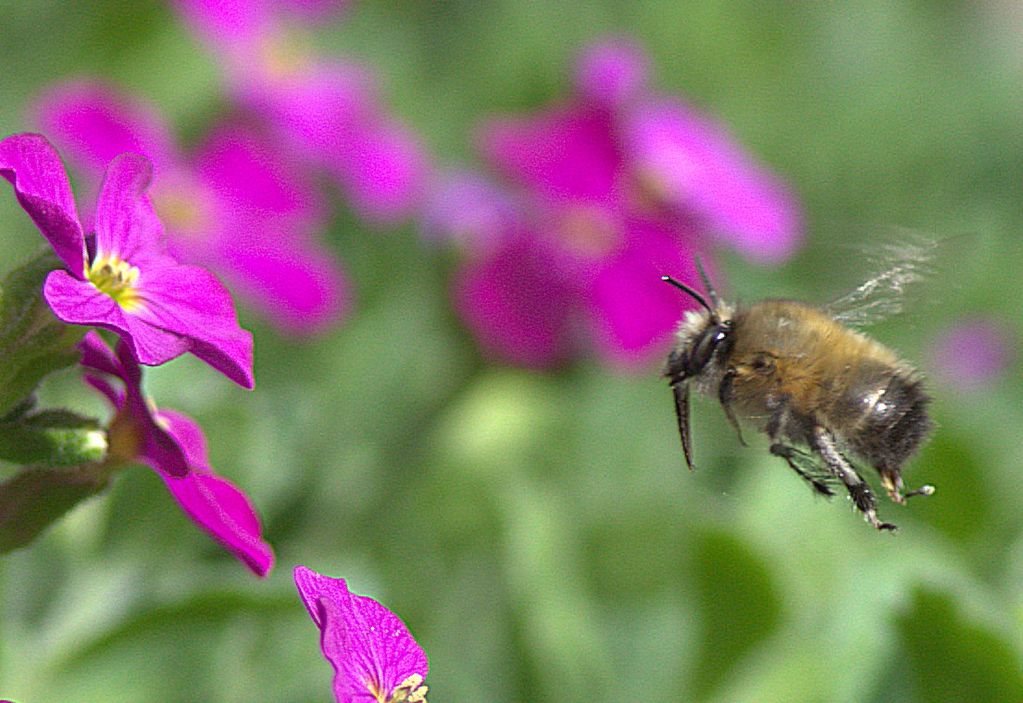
{"x": 597, "y": 198}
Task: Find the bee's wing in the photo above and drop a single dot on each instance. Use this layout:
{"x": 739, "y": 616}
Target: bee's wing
{"x": 681, "y": 393}
{"x": 813, "y": 467}
{"x": 900, "y": 266}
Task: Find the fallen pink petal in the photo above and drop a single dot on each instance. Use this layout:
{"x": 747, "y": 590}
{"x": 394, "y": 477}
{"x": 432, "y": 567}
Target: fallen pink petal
{"x": 374, "y": 656}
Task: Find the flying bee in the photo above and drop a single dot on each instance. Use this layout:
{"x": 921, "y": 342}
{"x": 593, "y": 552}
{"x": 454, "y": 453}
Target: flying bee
{"x": 819, "y": 390}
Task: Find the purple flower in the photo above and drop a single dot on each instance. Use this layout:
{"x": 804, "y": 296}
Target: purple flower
{"x": 466, "y": 209}
{"x": 612, "y": 190}
{"x": 972, "y": 353}
{"x": 325, "y": 108}
{"x": 374, "y": 656}
{"x": 173, "y": 445}
{"x": 612, "y": 72}
{"x": 124, "y": 281}
{"x": 693, "y": 167}
{"x": 238, "y": 205}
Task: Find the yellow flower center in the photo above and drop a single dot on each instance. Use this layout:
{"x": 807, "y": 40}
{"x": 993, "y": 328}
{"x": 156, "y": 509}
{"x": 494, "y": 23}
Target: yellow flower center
{"x": 286, "y": 54}
{"x": 589, "y": 231}
{"x": 411, "y": 690}
{"x": 116, "y": 278}
{"x": 124, "y": 438}
{"x": 177, "y": 210}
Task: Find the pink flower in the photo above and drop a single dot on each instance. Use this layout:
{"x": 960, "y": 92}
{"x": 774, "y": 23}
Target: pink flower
{"x": 695, "y": 168}
{"x": 124, "y": 281}
{"x": 238, "y": 205}
{"x": 613, "y": 190}
{"x": 373, "y": 654}
{"x": 325, "y": 108}
{"x": 172, "y": 444}
{"x": 972, "y": 353}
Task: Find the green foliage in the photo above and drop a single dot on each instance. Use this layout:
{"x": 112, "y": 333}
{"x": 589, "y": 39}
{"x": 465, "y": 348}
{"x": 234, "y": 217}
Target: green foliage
{"x": 935, "y": 634}
{"x": 57, "y": 438}
{"x": 739, "y": 606}
{"x": 35, "y": 498}
{"x": 33, "y": 343}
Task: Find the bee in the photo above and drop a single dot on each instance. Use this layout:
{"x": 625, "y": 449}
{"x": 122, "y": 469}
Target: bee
{"x": 821, "y": 391}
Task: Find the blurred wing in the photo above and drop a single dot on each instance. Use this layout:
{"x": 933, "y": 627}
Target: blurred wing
{"x": 901, "y": 265}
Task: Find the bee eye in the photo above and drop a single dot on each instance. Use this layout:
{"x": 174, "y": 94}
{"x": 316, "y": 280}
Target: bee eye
{"x": 704, "y": 348}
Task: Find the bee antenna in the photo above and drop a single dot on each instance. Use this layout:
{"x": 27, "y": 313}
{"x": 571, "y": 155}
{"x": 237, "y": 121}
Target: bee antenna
{"x": 706, "y": 281}
{"x": 686, "y": 289}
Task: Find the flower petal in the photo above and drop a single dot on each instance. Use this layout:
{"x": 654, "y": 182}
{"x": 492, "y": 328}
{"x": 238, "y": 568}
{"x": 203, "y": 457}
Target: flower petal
{"x": 33, "y": 167}
{"x": 381, "y": 167}
{"x": 565, "y": 154}
{"x": 96, "y": 355}
{"x": 191, "y": 303}
{"x": 612, "y": 71}
{"x": 229, "y": 21}
{"x": 295, "y": 283}
{"x": 517, "y": 303}
{"x": 152, "y": 442}
{"x": 316, "y": 107}
{"x": 252, "y": 173}
{"x": 696, "y": 166}
{"x": 158, "y": 447}
{"x": 634, "y": 310}
{"x": 80, "y": 303}
{"x": 367, "y": 644}
{"x": 126, "y": 224}
{"x": 93, "y": 123}
{"x": 972, "y": 353}
{"x": 214, "y": 503}
{"x": 468, "y": 209}
{"x": 333, "y": 115}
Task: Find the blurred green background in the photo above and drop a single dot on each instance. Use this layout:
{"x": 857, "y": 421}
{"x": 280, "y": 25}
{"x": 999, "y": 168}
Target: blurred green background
{"x": 537, "y": 532}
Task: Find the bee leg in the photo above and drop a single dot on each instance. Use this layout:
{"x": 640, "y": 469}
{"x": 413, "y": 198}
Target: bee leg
{"x": 725, "y": 396}
{"x": 790, "y": 454}
{"x": 863, "y": 498}
{"x": 680, "y": 391}
{"x": 891, "y": 479}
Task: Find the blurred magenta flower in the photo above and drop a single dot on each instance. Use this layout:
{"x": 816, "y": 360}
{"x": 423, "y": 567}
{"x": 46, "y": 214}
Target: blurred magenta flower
{"x": 611, "y": 72}
{"x": 612, "y": 189}
{"x": 972, "y": 353}
{"x": 173, "y": 445}
{"x": 467, "y": 209}
{"x": 326, "y": 108}
{"x": 693, "y": 167}
{"x": 238, "y": 205}
{"x": 373, "y": 654}
{"x": 122, "y": 278}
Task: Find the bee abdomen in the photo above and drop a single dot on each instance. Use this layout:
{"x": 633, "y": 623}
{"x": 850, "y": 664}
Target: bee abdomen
{"x": 894, "y": 423}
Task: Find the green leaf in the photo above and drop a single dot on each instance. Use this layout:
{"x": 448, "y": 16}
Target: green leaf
{"x": 37, "y": 497}
{"x": 53, "y": 438}
{"x": 739, "y": 606}
{"x": 954, "y": 659}
{"x": 33, "y": 343}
